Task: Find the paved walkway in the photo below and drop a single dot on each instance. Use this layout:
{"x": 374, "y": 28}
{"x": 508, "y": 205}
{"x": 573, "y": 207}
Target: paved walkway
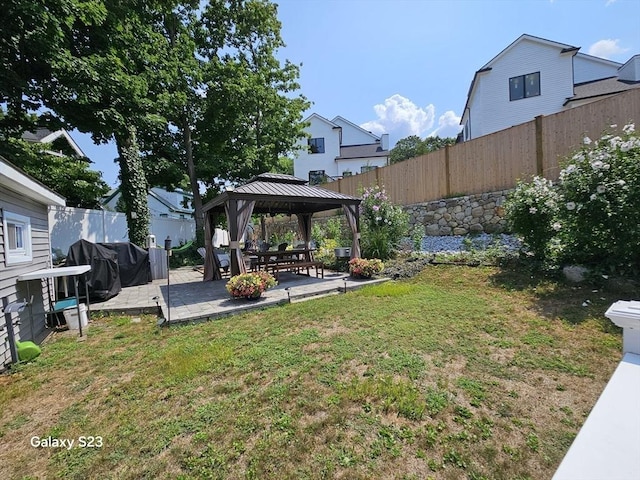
{"x": 191, "y": 299}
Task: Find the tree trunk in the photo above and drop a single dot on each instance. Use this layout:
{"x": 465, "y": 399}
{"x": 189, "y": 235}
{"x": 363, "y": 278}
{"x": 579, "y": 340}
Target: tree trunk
{"x": 133, "y": 186}
{"x": 193, "y": 179}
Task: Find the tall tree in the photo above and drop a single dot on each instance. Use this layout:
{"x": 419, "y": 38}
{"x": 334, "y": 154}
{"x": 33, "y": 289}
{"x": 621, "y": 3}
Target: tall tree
{"x": 252, "y": 116}
{"x": 408, "y": 147}
{"x": 228, "y": 101}
{"x": 102, "y": 85}
{"x": 31, "y": 40}
{"x": 413, "y": 146}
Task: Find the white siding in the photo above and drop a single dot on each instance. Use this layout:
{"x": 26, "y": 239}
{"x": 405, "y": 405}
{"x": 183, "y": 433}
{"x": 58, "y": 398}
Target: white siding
{"x": 491, "y": 110}
{"x": 30, "y": 328}
{"x": 354, "y": 135}
{"x": 156, "y": 207}
{"x": 355, "y": 165}
{"x": 305, "y": 162}
{"x": 630, "y": 72}
{"x": 587, "y": 69}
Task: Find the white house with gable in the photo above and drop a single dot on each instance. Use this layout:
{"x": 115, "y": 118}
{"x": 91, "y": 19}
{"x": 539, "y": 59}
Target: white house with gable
{"x": 534, "y": 76}
{"x": 162, "y": 203}
{"x": 337, "y": 148}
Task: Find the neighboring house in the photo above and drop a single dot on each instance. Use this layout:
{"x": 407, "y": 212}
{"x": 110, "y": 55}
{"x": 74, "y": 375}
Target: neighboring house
{"x": 534, "y": 76}
{"x": 338, "y": 148}
{"x": 162, "y": 203}
{"x": 61, "y": 142}
{"x": 24, "y": 248}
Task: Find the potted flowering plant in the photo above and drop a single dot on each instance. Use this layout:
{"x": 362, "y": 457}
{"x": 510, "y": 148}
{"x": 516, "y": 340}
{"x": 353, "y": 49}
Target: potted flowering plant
{"x": 250, "y": 285}
{"x": 365, "y": 268}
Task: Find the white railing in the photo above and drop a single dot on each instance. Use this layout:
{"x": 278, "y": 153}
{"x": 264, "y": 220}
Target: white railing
{"x": 608, "y": 444}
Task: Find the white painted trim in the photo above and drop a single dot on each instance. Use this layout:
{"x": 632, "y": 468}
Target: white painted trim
{"x": 13, "y": 179}
{"x": 63, "y": 133}
{"x": 24, "y": 254}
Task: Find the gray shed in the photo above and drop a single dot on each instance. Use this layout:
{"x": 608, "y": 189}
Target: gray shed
{"x": 24, "y": 248}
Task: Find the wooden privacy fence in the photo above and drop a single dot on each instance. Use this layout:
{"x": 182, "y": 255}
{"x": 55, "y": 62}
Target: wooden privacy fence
{"x": 497, "y": 161}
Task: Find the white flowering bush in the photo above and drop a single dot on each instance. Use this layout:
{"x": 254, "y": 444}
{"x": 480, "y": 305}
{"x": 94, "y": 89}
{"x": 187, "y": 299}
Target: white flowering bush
{"x": 382, "y": 224}
{"x": 599, "y": 210}
{"x": 531, "y": 211}
{"x": 591, "y": 216}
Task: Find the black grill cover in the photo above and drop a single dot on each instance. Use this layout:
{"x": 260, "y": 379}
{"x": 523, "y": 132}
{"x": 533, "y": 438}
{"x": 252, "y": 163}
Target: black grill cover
{"x": 133, "y": 263}
{"x": 103, "y": 280}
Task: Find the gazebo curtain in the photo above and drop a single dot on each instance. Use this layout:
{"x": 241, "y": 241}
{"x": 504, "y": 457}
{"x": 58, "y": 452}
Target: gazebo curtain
{"x": 211, "y": 264}
{"x": 238, "y": 216}
{"x": 304, "y": 227}
{"x": 352, "y": 214}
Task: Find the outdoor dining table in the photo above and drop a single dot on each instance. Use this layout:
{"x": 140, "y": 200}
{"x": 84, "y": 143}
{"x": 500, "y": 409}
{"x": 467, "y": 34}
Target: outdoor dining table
{"x": 271, "y": 257}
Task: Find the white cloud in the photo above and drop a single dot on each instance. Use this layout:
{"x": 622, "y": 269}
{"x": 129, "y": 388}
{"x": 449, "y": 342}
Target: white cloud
{"x": 400, "y": 117}
{"x": 448, "y": 125}
{"x": 609, "y": 2}
{"x": 606, "y": 48}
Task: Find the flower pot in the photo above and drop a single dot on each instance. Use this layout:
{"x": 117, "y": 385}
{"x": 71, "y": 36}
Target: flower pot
{"x": 360, "y": 276}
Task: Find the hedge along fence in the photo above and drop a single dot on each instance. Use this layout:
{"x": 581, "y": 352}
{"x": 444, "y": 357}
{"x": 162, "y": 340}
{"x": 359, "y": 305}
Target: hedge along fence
{"x": 497, "y": 161}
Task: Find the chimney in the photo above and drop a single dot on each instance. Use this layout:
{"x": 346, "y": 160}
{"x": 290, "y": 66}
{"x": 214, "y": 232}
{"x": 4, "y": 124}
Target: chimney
{"x": 384, "y": 141}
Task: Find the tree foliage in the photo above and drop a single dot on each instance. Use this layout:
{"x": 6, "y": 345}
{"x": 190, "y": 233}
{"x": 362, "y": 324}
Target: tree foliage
{"x": 69, "y": 176}
{"x": 251, "y": 117}
{"x": 189, "y": 92}
{"x": 31, "y": 39}
{"x": 413, "y": 146}
{"x": 590, "y": 216}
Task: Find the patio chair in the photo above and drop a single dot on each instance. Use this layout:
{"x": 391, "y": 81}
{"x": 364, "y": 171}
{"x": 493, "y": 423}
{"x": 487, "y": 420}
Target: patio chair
{"x": 223, "y": 258}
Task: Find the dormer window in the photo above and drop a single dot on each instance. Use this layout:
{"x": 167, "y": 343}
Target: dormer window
{"x": 524, "y": 86}
{"x": 316, "y": 145}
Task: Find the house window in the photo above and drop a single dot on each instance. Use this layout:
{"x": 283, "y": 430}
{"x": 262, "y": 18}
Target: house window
{"x": 524, "y": 86}
{"x": 316, "y": 145}
{"x": 17, "y": 235}
{"x": 316, "y": 177}
{"x": 367, "y": 168}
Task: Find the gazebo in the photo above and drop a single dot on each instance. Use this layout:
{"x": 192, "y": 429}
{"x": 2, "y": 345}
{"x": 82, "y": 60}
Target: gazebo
{"x": 270, "y": 193}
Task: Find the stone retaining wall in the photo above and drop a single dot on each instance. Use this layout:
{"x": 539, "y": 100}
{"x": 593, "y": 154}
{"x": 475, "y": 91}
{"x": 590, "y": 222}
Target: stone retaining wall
{"x": 479, "y": 213}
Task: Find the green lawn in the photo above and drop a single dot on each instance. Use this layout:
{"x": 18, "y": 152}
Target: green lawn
{"x": 457, "y": 373}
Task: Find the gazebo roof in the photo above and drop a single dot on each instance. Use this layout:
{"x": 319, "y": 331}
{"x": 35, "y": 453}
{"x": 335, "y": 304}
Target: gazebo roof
{"x": 278, "y": 193}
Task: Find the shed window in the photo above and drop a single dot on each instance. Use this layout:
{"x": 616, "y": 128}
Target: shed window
{"x": 17, "y": 235}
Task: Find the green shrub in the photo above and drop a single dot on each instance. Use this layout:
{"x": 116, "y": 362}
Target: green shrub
{"x": 531, "y": 210}
{"x": 591, "y": 215}
{"x": 383, "y": 224}
{"x": 599, "y": 219}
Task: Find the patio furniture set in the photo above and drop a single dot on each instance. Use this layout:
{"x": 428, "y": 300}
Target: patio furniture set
{"x": 295, "y": 260}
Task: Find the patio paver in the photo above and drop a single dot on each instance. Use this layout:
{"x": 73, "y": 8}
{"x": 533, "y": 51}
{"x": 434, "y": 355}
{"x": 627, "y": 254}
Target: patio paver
{"x": 191, "y": 299}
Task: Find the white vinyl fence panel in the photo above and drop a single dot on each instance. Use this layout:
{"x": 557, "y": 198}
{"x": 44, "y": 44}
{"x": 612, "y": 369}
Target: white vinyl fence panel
{"x": 68, "y": 225}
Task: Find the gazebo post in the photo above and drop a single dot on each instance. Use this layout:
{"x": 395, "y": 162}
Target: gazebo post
{"x": 234, "y": 238}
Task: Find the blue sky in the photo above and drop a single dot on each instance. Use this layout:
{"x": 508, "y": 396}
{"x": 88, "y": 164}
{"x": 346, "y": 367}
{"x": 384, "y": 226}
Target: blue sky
{"x": 404, "y": 67}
